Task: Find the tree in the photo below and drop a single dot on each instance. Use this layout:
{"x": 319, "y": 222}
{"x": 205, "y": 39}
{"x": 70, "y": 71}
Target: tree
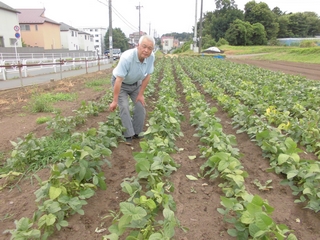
{"x": 284, "y": 30}
{"x": 298, "y": 25}
{"x": 119, "y": 40}
{"x": 261, "y": 13}
{"x": 217, "y": 23}
{"x": 258, "y": 34}
{"x": 225, "y": 4}
{"x": 239, "y": 33}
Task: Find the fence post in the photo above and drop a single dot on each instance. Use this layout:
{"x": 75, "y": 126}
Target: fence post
{"x": 3, "y": 69}
{"x": 60, "y": 69}
{"x": 24, "y": 62}
{"x": 54, "y": 65}
{"x": 20, "y": 73}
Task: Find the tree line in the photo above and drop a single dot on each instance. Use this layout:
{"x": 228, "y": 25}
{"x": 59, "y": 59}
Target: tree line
{"x": 256, "y": 25}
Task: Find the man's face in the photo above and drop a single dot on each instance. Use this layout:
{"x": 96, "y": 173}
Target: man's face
{"x": 145, "y": 49}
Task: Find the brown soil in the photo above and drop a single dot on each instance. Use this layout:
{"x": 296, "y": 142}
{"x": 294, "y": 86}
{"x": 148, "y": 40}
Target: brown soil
{"x": 197, "y": 203}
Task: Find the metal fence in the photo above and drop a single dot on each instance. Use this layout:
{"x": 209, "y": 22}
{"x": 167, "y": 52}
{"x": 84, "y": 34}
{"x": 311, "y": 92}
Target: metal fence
{"x": 10, "y": 69}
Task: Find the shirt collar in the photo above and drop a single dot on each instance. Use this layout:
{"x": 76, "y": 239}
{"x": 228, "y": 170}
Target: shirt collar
{"x": 137, "y": 59}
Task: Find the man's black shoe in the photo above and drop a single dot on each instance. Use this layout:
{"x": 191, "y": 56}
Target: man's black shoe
{"x": 128, "y": 141}
{"x": 136, "y": 136}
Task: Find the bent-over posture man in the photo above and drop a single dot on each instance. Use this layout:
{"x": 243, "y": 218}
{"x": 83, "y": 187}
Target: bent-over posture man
{"x": 130, "y": 78}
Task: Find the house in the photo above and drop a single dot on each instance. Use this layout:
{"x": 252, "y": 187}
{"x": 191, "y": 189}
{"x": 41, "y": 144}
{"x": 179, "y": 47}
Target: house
{"x": 98, "y": 38}
{"x": 86, "y": 41}
{"x": 167, "y": 43}
{"x": 38, "y": 30}
{"x": 9, "y": 27}
{"x": 134, "y": 37}
{"x": 69, "y": 37}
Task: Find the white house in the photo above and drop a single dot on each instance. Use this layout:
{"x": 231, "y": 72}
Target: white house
{"x": 98, "y": 38}
{"x": 167, "y": 43}
{"x": 9, "y": 27}
{"x": 86, "y": 41}
{"x": 69, "y": 37}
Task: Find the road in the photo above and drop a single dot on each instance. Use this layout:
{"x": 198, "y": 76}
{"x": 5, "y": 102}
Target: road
{"x": 16, "y": 83}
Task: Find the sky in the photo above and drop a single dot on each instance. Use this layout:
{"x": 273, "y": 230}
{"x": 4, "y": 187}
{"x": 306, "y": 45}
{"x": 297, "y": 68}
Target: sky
{"x": 156, "y": 17}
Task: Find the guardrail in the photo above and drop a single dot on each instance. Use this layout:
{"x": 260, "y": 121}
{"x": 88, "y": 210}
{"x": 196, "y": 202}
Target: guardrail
{"x": 32, "y": 67}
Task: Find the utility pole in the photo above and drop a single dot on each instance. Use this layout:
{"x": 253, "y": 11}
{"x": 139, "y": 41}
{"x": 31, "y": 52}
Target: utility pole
{"x": 200, "y": 33}
{"x": 110, "y": 33}
{"x": 139, "y": 7}
{"x": 149, "y": 29}
{"x": 195, "y": 30}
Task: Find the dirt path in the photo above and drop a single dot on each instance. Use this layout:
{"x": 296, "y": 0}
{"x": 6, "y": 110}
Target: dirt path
{"x": 308, "y": 70}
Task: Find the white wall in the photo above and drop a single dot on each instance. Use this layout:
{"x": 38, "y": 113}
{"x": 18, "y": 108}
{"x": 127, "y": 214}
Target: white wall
{"x": 7, "y": 22}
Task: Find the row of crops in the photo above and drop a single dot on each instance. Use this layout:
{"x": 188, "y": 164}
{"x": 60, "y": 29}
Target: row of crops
{"x": 259, "y": 104}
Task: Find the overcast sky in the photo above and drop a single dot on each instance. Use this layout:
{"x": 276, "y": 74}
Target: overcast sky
{"x": 158, "y": 17}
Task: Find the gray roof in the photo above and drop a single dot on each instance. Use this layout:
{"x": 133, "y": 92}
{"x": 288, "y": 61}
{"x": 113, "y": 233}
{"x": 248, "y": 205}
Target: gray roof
{"x": 66, "y": 27}
{"x": 34, "y": 16}
{"x": 8, "y": 8}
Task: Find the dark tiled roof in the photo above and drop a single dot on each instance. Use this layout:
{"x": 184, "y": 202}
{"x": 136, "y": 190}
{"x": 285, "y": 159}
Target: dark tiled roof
{"x": 66, "y": 27}
{"x": 8, "y": 8}
{"x": 33, "y": 16}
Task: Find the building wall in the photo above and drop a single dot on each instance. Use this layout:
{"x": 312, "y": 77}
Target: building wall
{"x": 98, "y": 38}
{"x": 86, "y": 42}
{"x": 70, "y": 40}
{"x": 46, "y": 35}
{"x": 7, "y": 22}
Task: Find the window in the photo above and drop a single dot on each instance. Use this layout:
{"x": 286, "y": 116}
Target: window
{"x": 96, "y": 40}
{"x": 96, "y": 30}
{"x": 25, "y": 27}
{"x": 97, "y": 35}
{"x": 1, "y": 42}
{"x": 13, "y": 41}
{"x": 75, "y": 33}
{"x": 36, "y": 27}
{"x": 72, "y": 33}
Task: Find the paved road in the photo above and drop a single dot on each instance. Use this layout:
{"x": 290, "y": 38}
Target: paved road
{"x": 16, "y": 83}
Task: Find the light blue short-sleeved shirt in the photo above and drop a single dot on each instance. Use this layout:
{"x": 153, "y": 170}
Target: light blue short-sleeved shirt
{"x": 131, "y": 69}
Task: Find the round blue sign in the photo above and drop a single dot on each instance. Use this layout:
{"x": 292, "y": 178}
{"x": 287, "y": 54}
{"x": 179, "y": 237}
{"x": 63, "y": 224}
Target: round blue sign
{"x": 17, "y": 35}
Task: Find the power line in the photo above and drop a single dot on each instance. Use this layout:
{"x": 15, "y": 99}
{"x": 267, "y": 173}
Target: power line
{"x": 125, "y": 21}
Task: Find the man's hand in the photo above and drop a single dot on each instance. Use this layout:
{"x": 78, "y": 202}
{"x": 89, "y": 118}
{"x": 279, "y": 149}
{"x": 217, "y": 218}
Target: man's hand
{"x": 140, "y": 98}
{"x": 113, "y": 106}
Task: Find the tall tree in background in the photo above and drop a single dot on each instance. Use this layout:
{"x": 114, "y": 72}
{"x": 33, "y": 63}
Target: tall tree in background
{"x": 261, "y": 13}
{"x": 119, "y": 39}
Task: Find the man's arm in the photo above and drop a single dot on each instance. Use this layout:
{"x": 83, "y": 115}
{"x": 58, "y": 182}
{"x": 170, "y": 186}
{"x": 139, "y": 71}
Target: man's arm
{"x": 116, "y": 92}
{"x": 143, "y": 87}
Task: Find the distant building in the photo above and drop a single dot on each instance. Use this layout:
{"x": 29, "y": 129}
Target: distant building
{"x": 134, "y": 37}
{"x": 38, "y": 30}
{"x": 168, "y": 43}
{"x": 69, "y": 37}
{"x": 98, "y": 38}
{"x": 86, "y": 41}
{"x": 9, "y": 19}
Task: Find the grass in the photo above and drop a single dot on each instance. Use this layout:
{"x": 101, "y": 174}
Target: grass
{"x": 41, "y": 120}
{"x": 280, "y": 53}
{"x": 44, "y": 102}
{"x": 97, "y": 85}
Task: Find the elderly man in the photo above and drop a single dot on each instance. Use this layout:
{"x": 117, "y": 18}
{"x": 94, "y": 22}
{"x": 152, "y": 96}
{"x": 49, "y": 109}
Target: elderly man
{"x": 130, "y": 78}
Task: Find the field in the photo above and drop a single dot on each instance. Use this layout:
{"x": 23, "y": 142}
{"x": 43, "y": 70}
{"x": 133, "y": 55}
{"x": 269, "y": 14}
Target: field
{"x": 190, "y": 117}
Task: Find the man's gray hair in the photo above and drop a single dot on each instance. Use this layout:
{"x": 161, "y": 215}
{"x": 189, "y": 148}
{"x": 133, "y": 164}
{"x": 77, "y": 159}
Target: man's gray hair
{"x": 147, "y": 37}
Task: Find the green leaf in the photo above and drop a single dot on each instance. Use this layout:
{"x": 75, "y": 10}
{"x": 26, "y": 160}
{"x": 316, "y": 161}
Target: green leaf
{"x": 87, "y": 193}
{"x": 135, "y": 212}
{"x": 172, "y": 120}
{"x": 54, "y": 192}
{"x": 263, "y": 221}
{"x": 282, "y": 158}
{"x": 192, "y": 178}
{"x": 64, "y": 223}
{"x": 156, "y": 236}
{"x": 246, "y": 218}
